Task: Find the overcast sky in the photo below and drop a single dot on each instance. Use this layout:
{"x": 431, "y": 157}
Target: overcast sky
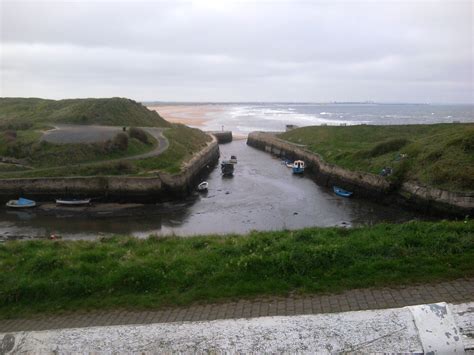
{"x": 220, "y": 50}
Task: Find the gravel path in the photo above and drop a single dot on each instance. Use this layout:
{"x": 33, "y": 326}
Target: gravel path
{"x": 62, "y": 134}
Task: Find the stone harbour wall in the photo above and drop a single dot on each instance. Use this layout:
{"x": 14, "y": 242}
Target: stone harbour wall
{"x": 409, "y": 194}
{"x": 161, "y": 186}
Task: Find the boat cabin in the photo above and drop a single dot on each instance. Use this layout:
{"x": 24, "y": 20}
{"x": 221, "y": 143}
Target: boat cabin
{"x": 298, "y": 167}
{"x": 227, "y": 168}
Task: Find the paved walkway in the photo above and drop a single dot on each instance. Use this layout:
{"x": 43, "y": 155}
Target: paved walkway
{"x": 457, "y": 291}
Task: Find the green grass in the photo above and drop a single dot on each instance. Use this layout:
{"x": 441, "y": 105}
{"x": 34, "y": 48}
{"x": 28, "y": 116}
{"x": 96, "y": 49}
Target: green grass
{"x": 124, "y": 272}
{"x": 27, "y": 113}
{"x": 53, "y": 160}
{"x": 439, "y": 155}
{"x": 48, "y": 159}
{"x": 184, "y": 143}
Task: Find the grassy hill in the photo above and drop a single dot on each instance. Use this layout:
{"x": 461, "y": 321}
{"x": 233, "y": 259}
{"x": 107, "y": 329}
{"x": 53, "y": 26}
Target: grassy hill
{"x": 439, "y": 155}
{"x": 24, "y": 113}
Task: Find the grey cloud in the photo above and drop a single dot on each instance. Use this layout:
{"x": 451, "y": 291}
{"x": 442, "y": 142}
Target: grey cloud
{"x": 275, "y": 50}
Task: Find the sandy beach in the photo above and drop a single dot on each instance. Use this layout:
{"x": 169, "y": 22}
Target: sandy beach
{"x": 192, "y": 115}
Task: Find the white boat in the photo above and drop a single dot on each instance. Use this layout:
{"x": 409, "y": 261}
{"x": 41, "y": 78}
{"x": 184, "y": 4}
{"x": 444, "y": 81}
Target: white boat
{"x": 203, "y": 186}
{"x": 233, "y": 159}
{"x": 298, "y": 167}
{"x": 73, "y": 201}
{"x": 21, "y": 203}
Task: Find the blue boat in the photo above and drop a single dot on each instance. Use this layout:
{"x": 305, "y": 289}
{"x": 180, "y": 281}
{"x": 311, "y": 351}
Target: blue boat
{"x": 298, "y": 167}
{"x": 21, "y": 203}
{"x": 342, "y": 192}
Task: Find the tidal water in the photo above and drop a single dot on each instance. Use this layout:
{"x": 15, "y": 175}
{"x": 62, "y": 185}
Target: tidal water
{"x": 263, "y": 194}
{"x": 245, "y": 118}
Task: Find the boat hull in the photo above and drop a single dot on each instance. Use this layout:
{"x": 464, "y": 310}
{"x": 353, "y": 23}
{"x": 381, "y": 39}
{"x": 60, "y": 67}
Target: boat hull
{"x": 203, "y": 186}
{"x": 227, "y": 168}
{"x": 298, "y": 170}
{"x": 341, "y": 192}
{"x": 73, "y": 202}
{"x": 14, "y": 204}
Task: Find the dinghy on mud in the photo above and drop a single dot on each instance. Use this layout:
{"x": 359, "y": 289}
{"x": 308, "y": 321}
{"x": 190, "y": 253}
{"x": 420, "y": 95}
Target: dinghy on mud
{"x": 21, "y": 203}
{"x": 341, "y": 192}
{"x": 73, "y": 201}
{"x": 203, "y": 186}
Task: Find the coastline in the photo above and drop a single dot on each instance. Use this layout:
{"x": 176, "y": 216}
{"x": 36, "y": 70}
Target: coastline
{"x": 191, "y": 115}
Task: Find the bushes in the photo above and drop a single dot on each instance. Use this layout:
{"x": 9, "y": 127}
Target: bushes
{"x": 10, "y": 136}
{"x": 139, "y": 134}
{"x": 120, "y": 142}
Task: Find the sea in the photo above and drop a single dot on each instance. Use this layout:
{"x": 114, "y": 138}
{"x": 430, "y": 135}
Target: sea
{"x": 247, "y": 117}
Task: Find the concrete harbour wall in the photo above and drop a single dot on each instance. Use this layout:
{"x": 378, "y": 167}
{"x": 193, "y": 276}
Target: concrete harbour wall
{"x": 222, "y": 136}
{"x": 427, "y": 199}
{"x": 117, "y": 188}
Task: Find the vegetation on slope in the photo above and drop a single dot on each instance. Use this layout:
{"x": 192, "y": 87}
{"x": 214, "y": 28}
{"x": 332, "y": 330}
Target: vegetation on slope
{"x": 50, "y": 160}
{"x": 25, "y": 113}
{"x": 184, "y": 143}
{"x": 28, "y": 148}
{"x": 124, "y": 272}
{"x": 439, "y": 155}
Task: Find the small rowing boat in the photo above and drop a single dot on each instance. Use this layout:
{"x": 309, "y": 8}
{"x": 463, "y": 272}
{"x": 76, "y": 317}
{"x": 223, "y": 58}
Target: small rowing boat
{"x": 341, "y": 192}
{"x": 203, "y": 186}
{"x": 21, "y": 203}
{"x": 73, "y": 201}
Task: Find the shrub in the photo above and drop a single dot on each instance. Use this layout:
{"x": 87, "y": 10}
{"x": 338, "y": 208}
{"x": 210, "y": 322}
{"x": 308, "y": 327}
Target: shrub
{"x": 139, "y": 134}
{"x": 10, "y": 136}
{"x": 120, "y": 141}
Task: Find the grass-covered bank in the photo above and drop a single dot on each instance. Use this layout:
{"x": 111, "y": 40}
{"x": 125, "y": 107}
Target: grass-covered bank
{"x": 25, "y": 113}
{"x": 185, "y": 142}
{"x": 56, "y": 160}
{"x": 122, "y": 272}
{"x": 437, "y": 155}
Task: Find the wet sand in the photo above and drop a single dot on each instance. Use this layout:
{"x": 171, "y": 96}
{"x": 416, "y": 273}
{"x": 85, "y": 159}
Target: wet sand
{"x": 191, "y": 115}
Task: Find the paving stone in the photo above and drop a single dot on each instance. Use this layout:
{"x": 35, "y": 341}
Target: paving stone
{"x": 452, "y": 292}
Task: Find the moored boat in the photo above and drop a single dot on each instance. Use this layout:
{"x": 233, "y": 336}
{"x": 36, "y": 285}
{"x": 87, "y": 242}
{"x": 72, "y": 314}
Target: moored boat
{"x": 227, "y": 168}
{"x": 341, "y": 192}
{"x": 21, "y": 203}
{"x": 73, "y": 201}
{"x": 203, "y": 186}
{"x": 298, "y": 167}
{"x": 233, "y": 159}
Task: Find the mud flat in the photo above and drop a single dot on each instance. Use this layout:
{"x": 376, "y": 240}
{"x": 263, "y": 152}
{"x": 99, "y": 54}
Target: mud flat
{"x": 409, "y": 194}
